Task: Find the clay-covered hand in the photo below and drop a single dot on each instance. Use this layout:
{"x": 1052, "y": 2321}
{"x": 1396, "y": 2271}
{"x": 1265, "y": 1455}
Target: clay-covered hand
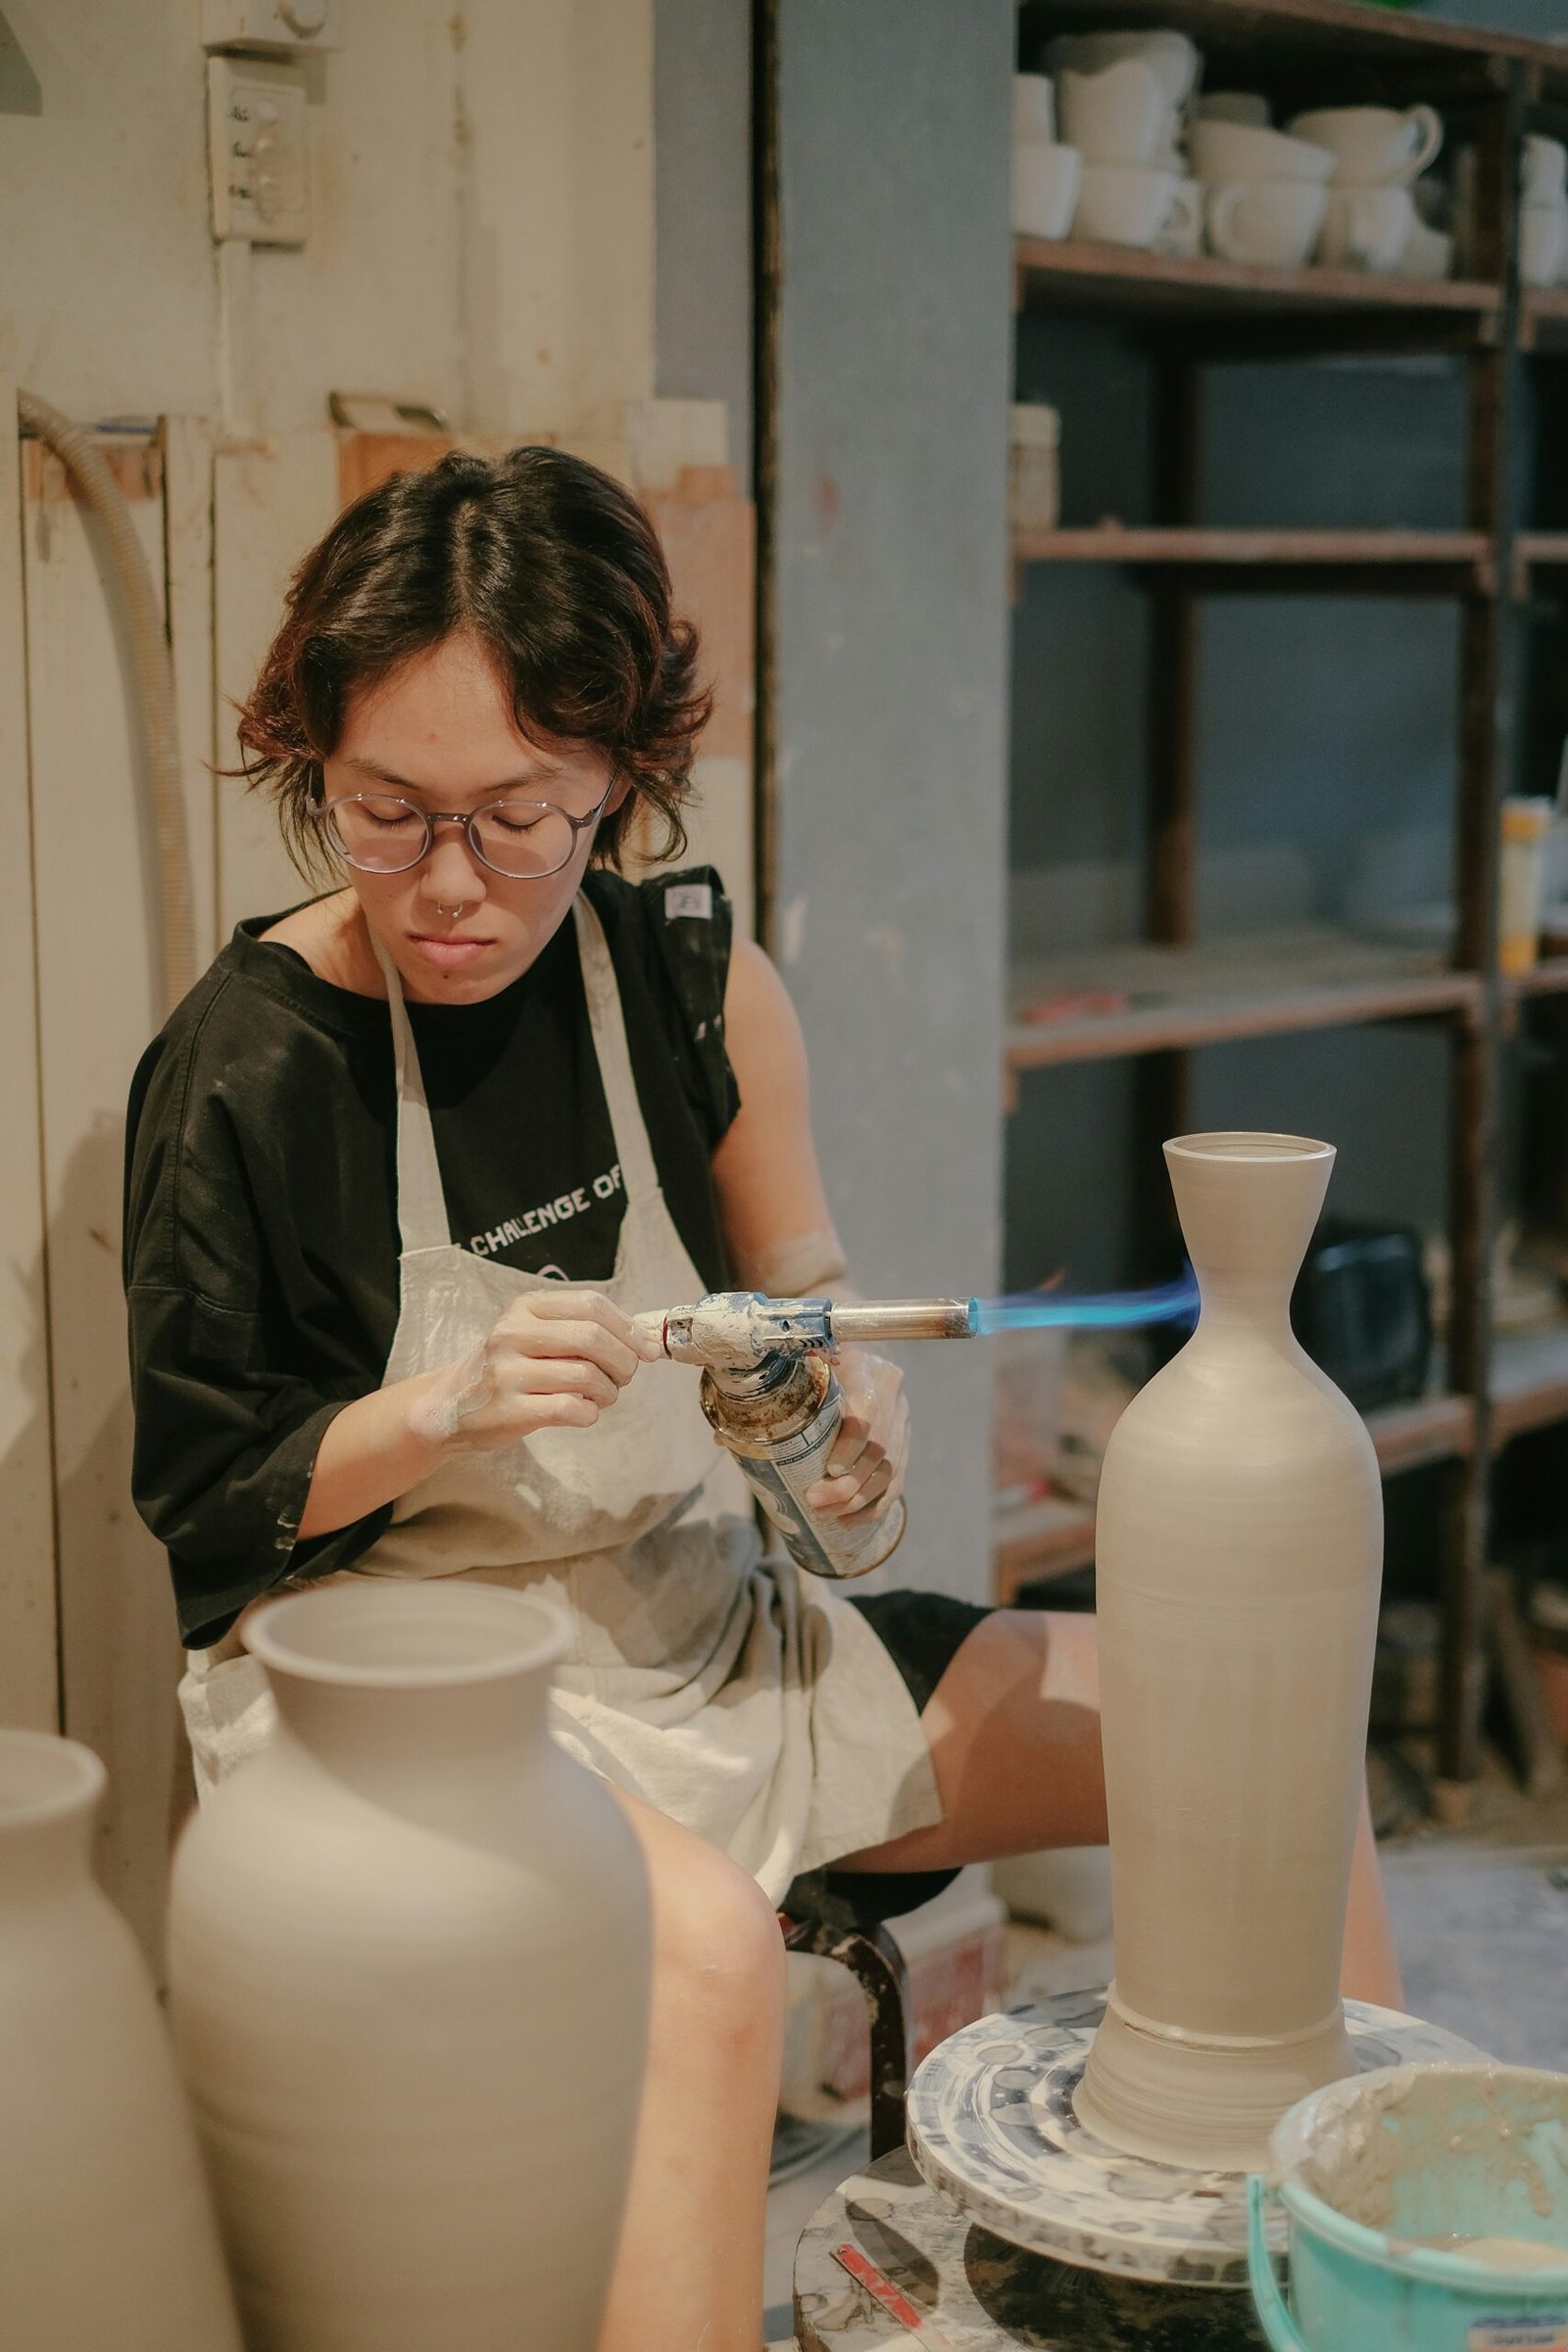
{"x": 555, "y": 1359}
{"x": 866, "y": 1466}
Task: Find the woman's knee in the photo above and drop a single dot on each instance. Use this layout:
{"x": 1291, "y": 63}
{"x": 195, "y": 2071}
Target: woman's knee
{"x": 719, "y": 1953}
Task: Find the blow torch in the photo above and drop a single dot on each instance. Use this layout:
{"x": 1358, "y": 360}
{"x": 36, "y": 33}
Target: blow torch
{"x": 770, "y": 1394}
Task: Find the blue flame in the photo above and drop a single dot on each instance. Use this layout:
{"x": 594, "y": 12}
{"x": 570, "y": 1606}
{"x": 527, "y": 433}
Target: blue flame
{"x": 1103, "y": 1310}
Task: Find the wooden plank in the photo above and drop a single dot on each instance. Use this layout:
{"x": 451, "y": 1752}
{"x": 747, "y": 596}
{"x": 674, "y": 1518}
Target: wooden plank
{"x": 1529, "y": 1382}
{"x": 1067, "y": 271}
{"x": 708, "y": 536}
{"x": 271, "y": 500}
{"x": 1204, "y": 1021}
{"x": 186, "y": 443}
{"x": 1342, "y": 26}
{"x": 99, "y": 988}
{"x": 29, "y": 1663}
{"x": 1116, "y": 543}
{"x": 1427, "y": 1429}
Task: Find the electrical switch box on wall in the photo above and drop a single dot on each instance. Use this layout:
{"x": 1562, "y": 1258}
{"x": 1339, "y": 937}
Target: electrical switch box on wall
{"x": 280, "y": 26}
{"x": 255, "y": 131}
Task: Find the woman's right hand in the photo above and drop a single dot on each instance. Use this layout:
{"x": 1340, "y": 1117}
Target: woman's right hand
{"x": 555, "y": 1359}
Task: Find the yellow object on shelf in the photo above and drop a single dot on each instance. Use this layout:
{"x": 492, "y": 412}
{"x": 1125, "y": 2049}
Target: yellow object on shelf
{"x": 1525, "y": 824}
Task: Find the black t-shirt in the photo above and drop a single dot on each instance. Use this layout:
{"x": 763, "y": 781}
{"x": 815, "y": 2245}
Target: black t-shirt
{"x": 261, "y": 1231}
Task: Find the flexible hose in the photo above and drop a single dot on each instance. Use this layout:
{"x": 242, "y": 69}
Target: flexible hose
{"x": 132, "y": 586}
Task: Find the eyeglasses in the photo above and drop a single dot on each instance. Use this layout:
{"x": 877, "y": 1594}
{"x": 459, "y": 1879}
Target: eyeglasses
{"x": 380, "y": 833}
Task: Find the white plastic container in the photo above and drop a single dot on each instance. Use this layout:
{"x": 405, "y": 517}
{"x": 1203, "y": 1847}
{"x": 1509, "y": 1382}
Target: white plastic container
{"x": 1034, "y": 467}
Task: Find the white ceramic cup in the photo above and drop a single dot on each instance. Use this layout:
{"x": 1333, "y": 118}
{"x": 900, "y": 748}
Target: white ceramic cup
{"x": 1225, "y": 151}
{"x": 1117, "y": 116}
{"x": 1543, "y": 242}
{"x": 1543, "y": 175}
{"x": 1180, "y": 233}
{"x": 1172, "y": 59}
{"x": 1372, "y": 146}
{"x": 1034, "y": 107}
{"x": 1429, "y": 253}
{"x": 1045, "y": 188}
{"x": 1123, "y": 204}
{"x": 1248, "y": 107}
{"x": 1272, "y": 223}
{"x": 1366, "y": 228}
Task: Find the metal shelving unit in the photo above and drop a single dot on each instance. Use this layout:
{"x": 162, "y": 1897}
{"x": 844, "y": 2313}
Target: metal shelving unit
{"x": 1157, "y": 1000}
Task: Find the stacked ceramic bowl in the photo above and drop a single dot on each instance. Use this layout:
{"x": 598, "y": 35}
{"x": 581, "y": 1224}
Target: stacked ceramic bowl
{"x": 1371, "y": 221}
{"x": 1543, "y": 212}
{"x": 1045, "y": 175}
{"x": 1264, "y": 194}
{"x": 1119, "y": 102}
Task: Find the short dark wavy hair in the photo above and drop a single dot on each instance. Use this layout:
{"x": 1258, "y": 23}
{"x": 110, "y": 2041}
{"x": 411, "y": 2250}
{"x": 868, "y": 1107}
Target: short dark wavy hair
{"x": 553, "y": 566}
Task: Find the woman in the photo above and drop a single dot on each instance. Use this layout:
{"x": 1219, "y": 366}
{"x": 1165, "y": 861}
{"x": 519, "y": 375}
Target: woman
{"x": 403, "y": 1168}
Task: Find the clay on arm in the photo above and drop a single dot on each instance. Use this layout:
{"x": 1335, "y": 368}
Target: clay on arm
{"x": 772, "y": 1209}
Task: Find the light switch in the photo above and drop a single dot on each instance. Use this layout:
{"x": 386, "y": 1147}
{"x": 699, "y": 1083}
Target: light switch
{"x": 257, "y": 141}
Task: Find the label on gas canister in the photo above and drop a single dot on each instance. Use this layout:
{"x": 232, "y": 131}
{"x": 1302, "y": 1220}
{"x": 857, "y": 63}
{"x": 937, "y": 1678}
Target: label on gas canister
{"x": 780, "y": 1479}
{"x": 1531, "y": 2331}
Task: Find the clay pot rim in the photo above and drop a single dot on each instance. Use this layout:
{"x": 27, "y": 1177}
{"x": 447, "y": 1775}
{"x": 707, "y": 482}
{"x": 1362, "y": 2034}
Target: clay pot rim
{"x": 535, "y": 1640}
{"x": 61, "y": 1778}
{"x": 1241, "y": 1143}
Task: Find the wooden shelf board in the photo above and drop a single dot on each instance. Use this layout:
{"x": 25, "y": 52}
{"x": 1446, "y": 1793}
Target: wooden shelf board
{"x": 1549, "y": 978}
{"x": 1118, "y": 543}
{"x": 1547, "y": 550}
{"x": 1061, "y": 271}
{"x": 1298, "y": 27}
{"x": 1151, "y": 999}
{"x": 1032, "y": 1543}
{"x": 1529, "y": 1381}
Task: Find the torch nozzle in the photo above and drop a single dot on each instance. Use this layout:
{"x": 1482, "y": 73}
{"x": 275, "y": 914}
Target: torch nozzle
{"x": 738, "y": 1329}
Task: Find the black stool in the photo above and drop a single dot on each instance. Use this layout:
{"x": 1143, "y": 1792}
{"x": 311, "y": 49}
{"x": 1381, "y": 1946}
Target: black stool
{"x": 876, "y": 1963}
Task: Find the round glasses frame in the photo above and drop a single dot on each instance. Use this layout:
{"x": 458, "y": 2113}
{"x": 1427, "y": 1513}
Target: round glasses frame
{"x": 323, "y": 815}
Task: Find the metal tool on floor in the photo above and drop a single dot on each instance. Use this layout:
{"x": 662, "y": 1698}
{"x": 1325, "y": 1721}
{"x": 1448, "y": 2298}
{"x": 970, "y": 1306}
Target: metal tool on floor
{"x": 769, "y": 1389}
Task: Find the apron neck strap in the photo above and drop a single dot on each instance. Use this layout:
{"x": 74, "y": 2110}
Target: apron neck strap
{"x": 422, "y": 1208}
{"x": 609, "y": 1024}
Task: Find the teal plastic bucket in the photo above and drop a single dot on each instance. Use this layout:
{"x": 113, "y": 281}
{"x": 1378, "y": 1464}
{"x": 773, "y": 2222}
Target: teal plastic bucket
{"x": 1381, "y": 2175}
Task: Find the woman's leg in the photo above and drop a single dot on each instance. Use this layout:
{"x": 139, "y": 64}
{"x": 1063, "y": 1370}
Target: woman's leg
{"x": 1013, "y": 1728}
{"x": 688, "y": 2274}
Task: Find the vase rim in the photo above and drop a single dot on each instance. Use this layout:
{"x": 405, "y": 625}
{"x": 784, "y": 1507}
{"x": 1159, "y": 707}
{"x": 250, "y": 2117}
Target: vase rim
{"x": 367, "y": 1637}
{"x": 1242, "y": 1144}
{"x": 45, "y": 1778}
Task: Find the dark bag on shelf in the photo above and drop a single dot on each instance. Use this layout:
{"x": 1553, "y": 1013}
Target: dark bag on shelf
{"x": 1362, "y": 1311}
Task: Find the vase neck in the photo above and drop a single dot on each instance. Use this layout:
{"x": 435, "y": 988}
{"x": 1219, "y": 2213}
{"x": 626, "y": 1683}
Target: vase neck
{"x": 383, "y": 1737}
{"x": 50, "y": 1791}
{"x": 1248, "y": 1205}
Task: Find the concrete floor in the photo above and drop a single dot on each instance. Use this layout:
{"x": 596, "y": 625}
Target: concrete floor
{"x": 1481, "y": 1922}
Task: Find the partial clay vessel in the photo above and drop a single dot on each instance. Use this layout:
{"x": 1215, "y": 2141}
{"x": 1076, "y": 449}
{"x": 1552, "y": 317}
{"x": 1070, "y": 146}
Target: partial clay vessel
{"x": 1239, "y": 1552}
{"x": 107, "y": 2238}
{"x": 410, "y": 1967}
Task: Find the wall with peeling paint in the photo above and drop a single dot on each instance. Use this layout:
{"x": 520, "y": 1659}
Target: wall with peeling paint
{"x": 482, "y": 215}
{"x": 891, "y": 664}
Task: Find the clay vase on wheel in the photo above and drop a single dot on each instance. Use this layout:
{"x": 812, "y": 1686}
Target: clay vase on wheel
{"x": 410, "y": 1965}
{"x": 1238, "y": 1554}
{"x": 107, "y": 2236}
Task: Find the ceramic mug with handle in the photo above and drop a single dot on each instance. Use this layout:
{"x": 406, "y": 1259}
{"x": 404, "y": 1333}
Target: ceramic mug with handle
{"x": 1123, "y": 204}
{"x": 1271, "y": 223}
{"x": 1223, "y": 151}
{"x": 1046, "y": 179}
{"x": 1367, "y": 228}
{"x": 1372, "y": 146}
{"x": 1118, "y": 115}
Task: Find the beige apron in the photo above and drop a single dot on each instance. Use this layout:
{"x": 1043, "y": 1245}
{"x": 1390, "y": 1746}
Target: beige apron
{"x": 750, "y": 1702}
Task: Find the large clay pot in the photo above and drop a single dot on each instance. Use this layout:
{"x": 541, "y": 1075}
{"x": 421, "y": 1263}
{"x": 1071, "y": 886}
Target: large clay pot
{"x": 107, "y": 2238}
{"x": 1239, "y": 1555}
{"x": 409, "y": 1964}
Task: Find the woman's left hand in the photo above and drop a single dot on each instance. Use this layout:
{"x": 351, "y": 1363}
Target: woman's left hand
{"x": 866, "y": 1466}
